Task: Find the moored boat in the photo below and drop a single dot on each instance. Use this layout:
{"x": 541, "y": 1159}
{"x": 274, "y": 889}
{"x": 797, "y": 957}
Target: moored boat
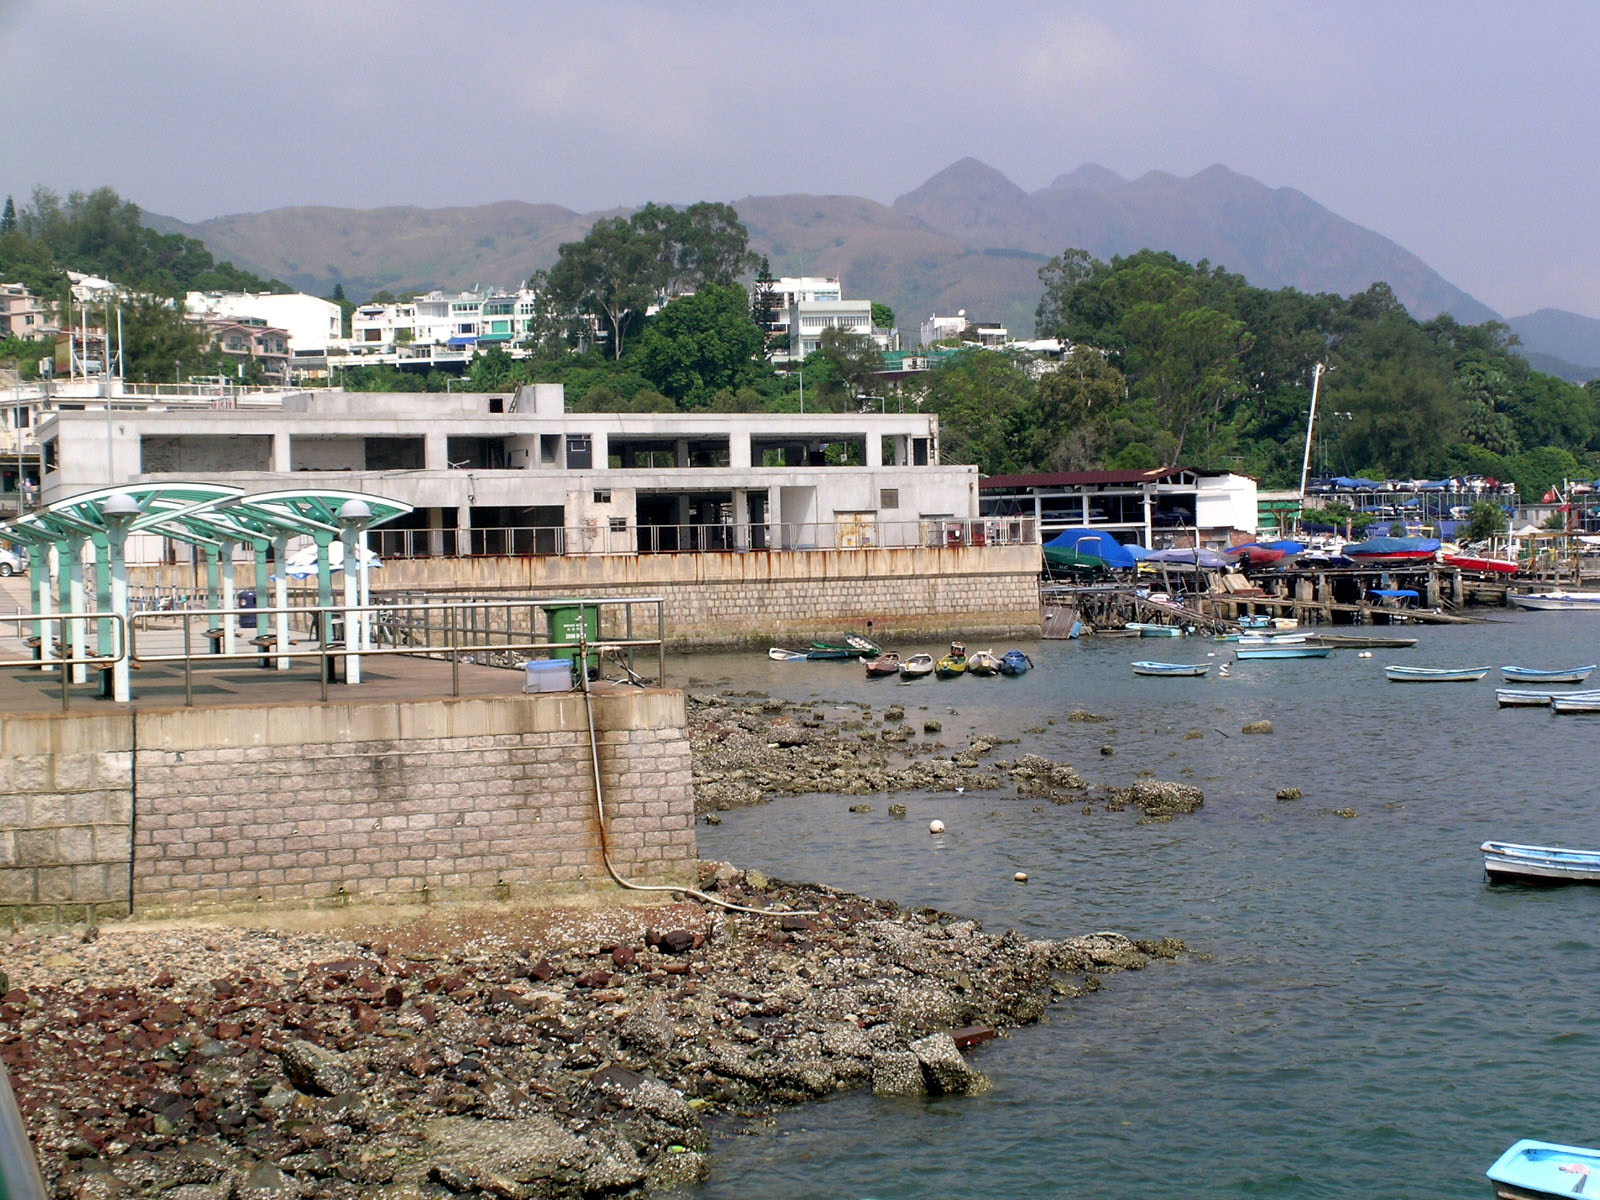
{"x": 1557, "y": 601}
{"x": 983, "y": 662}
{"x": 1482, "y": 564}
{"x": 1540, "y": 864}
{"x": 1576, "y": 702}
{"x": 950, "y": 666}
{"x": 1150, "y": 629}
{"x": 918, "y": 666}
{"x": 778, "y": 654}
{"x": 884, "y": 664}
{"x": 1534, "y": 1170}
{"x": 1435, "y": 674}
{"x": 1015, "y": 662}
{"x": 1172, "y": 670}
{"x": 1393, "y": 550}
{"x": 1292, "y": 650}
{"x": 1518, "y": 698}
{"x": 1533, "y": 675}
{"x": 852, "y": 645}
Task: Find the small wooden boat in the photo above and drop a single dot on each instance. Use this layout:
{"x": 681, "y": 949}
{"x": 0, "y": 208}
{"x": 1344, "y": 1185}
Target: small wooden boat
{"x": 780, "y": 655}
{"x": 1272, "y": 639}
{"x": 1255, "y": 622}
{"x": 950, "y": 666}
{"x": 1530, "y": 675}
{"x": 1149, "y": 629}
{"x": 1576, "y": 702}
{"x": 1173, "y": 670}
{"x": 1435, "y": 674}
{"x": 852, "y": 645}
{"x": 1015, "y": 662}
{"x": 1540, "y": 864}
{"x": 1516, "y": 698}
{"x": 918, "y": 666}
{"x": 1533, "y": 1170}
{"x": 884, "y": 664}
{"x": 1292, "y": 650}
{"x": 1556, "y": 601}
{"x": 983, "y": 662}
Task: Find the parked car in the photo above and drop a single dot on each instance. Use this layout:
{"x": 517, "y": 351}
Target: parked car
{"x": 13, "y": 562}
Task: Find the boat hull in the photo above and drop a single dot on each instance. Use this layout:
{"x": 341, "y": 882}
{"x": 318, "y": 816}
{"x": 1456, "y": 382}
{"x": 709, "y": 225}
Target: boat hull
{"x": 918, "y": 666}
{"x": 1259, "y": 652}
{"x": 1540, "y": 864}
{"x": 1515, "y": 698}
{"x": 1530, "y": 675}
{"x": 1534, "y": 1170}
{"x": 1486, "y": 566}
{"x": 1171, "y": 670}
{"x": 1556, "y": 601}
{"x": 1576, "y": 703}
{"x": 1435, "y": 674}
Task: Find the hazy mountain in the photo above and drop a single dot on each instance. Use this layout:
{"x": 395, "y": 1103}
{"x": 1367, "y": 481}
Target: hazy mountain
{"x": 1562, "y": 335}
{"x": 1274, "y": 237}
{"x": 968, "y": 238}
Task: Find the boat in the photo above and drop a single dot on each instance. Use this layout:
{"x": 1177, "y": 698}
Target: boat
{"x": 1435, "y": 674}
{"x": 1482, "y": 564}
{"x": 1503, "y": 860}
{"x": 1263, "y": 621}
{"x": 1174, "y": 670}
{"x": 1015, "y": 662}
{"x": 983, "y": 662}
{"x": 1518, "y": 698}
{"x": 1531, "y": 675}
{"x": 852, "y": 645}
{"x": 918, "y": 666}
{"x": 884, "y": 664}
{"x": 1149, "y": 629}
{"x": 781, "y": 655}
{"x": 1557, "y": 601}
{"x": 1291, "y": 650}
{"x": 1088, "y": 550}
{"x": 1533, "y": 1170}
{"x": 1193, "y": 557}
{"x": 950, "y": 666}
{"x": 1272, "y": 638}
{"x": 1393, "y": 550}
{"x": 1576, "y": 702}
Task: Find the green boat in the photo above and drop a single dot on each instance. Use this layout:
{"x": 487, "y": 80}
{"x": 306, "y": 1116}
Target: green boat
{"x": 851, "y": 646}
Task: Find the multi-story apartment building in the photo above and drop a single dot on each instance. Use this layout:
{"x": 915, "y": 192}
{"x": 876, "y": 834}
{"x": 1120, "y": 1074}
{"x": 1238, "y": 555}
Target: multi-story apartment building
{"x": 22, "y": 314}
{"x": 310, "y": 323}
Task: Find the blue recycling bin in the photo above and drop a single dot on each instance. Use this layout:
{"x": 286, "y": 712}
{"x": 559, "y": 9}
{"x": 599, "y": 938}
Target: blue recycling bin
{"x": 247, "y": 600}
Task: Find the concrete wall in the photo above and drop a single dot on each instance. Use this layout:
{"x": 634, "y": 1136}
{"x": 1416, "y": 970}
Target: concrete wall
{"x": 195, "y": 810}
{"x": 727, "y": 598}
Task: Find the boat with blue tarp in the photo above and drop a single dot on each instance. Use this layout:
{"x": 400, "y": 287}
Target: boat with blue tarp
{"x": 1393, "y": 550}
{"x": 1089, "y": 549}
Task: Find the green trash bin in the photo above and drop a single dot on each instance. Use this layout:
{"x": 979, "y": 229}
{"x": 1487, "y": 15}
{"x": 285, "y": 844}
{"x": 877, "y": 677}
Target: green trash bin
{"x": 569, "y": 624}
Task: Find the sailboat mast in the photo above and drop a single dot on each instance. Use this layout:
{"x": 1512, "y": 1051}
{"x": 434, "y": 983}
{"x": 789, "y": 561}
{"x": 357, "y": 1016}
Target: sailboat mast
{"x": 1311, "y": 422}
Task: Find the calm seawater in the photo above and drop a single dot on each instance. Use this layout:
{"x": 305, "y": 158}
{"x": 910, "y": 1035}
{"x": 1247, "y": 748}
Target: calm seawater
{"x": 1361, "y": 1016}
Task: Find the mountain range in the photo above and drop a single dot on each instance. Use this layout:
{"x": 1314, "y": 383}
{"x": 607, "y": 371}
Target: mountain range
{"x": 968, "y": 238}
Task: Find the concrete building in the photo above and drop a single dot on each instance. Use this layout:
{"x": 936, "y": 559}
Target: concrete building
{"x": 985, "y": 333}
{"x": 22, "y": 314}
{"x": 311, "y": 323}
{"x": 1158, "y": 507}
{"x": 455, "y": 319}
{"x": 250, "y": 339}
{"x": 516, "y": 474}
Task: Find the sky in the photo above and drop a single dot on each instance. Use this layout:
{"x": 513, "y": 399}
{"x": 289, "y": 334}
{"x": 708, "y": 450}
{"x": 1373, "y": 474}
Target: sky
{"x": 1467, "y": 132}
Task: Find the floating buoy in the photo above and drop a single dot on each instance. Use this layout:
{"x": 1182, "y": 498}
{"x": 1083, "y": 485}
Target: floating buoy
{"x": 961, "y": 791}
{"x": 935, "y": 826}
{"x": 1365, "y": 654}
{"x": 1021, "y": 877}
{"x": 1211, "y": 653}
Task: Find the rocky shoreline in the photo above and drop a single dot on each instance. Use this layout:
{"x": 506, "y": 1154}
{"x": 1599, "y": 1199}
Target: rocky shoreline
{"x": 532, "y": 1053}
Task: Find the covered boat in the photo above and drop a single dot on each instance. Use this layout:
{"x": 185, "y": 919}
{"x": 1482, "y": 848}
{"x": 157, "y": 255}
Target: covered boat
{"x": 1534, "y": 675}
{"x": 1174, "y": 670}
{"x": 1015, "y": 662}
{"x": 1540, "y": 864}
{"x": 1088, "y": 549}
{"x": 1533, "y": 1170}
{"x": 1435, "y": 674}
{"x": 1189, "y": 556}
{"x": 1393, "y": 550}
{"x": 918, "y": 666}
{"x": 1556, "y": 601}
{"x": 1263, "y": 554}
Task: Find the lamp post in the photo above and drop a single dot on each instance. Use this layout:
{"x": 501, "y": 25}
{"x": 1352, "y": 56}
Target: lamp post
{"x": 119, "y": 512}
{"x": 354, "y": 517}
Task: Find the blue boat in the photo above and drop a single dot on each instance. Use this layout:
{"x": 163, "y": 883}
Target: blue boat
{"x": 1435, "y": 674}
{"x": 1014, "y": 662}
{"x": 1393, "y": 550}
{"x": 1150, "y": 629}
{"x": 1531, "y": 675}
{"x": 1088, "y": 549}
{"x": 1171, "y": 670}
{"x": 1540, "y": 864}
{"x": 1292, "y": 650}
{"x": 1533, "y": 1170}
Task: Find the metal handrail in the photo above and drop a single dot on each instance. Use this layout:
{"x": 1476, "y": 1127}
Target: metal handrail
{"x": 322, "y": 628}
{"x": 118, "y": 625}
{"x": 19, "y": 1167}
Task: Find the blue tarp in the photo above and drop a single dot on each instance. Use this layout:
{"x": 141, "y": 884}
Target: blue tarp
{"x": 1349, "y": 483}
{"x": 1190, "y": 557}
{"x": 1093, "y": 544}
{"x": 1395, "y": 593}
{"x": 1380, "y": 547}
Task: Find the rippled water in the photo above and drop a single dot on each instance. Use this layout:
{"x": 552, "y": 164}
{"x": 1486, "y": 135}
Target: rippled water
{"x": 1362, "y": 1015}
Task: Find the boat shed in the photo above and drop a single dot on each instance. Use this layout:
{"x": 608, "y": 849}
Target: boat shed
{"x": 1155, "y": 506}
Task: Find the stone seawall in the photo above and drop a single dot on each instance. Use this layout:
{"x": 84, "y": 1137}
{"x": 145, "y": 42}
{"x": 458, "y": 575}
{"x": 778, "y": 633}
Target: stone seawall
{"x": 726, "y": 598}
{"x": 193, "y": 810}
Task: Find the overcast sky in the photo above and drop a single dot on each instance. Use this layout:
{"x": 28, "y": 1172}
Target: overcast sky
{"x": 1467, "y": 132}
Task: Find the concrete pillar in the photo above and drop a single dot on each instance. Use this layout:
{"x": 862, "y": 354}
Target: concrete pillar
{"x": 874, "y": 448}
{"x": 463, "y": 529}
{"x": 680, "y": 452}
{"x": 230, "y": 623}
{"x": 280, "y": 600}
{"x": 739, "y": 453}
{"x": 741, "y": 519}
{"x": 600, "y": 449}
{"x": 436, "y": 532}
{"x": 78, "y": 635}
{"x": 435, "y": 452}
{"x": 282, "y": 463}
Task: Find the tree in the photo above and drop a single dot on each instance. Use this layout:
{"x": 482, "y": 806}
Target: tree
{"x": 1484, "y": 520}
{"x": 8, "y": 217}
{"x": 882, "y": 316}
{"x": 985, "y": 403}
{"x": 1073, "y": 404}
{"x": 613, "y": 274}
{"x": 854, "y": 358}
{"x": 1061, "y": 277}
{"x": 701, "y": 344}
{"x": 156, "y": 340}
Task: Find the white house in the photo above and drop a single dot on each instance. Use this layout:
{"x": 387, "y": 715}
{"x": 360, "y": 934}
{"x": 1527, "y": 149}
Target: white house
{"x": 313, "y": 324}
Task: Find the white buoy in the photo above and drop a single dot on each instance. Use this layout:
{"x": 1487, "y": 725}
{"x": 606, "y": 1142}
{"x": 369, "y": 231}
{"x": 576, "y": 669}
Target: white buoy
{"x": 936, "y": 826}
{"x": 1365, "y": 654}
{"x": 961, "y": 791}
{"x": 1021, "y": 877}
{"x": 1211, "y": 653}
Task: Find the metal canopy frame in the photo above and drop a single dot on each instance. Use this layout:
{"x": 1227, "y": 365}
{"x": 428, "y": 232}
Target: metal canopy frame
{"x": 215, "y": 517}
